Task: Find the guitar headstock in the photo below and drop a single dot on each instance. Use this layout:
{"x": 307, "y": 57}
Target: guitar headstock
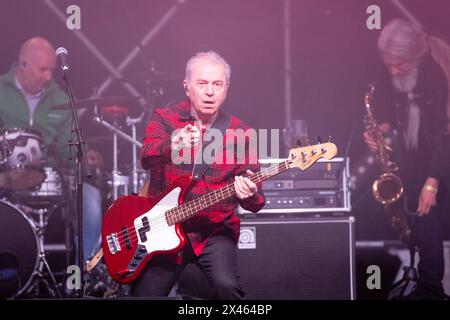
{"x": 304, "y": 157}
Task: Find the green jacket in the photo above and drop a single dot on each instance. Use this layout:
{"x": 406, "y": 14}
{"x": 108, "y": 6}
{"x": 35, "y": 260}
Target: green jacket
{"x": 54, "y": 125}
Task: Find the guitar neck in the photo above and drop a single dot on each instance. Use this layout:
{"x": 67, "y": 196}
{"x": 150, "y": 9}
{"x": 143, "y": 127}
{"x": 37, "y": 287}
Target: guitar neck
{"x": 190, "y": 208}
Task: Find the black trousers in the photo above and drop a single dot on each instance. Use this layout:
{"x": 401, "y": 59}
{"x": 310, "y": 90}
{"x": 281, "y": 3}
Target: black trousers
{"x": 218, "y": 261}
{"x": 427, "y": 236}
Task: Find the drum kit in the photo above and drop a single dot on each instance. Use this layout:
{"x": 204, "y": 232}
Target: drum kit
{"x": 31, "y": 191}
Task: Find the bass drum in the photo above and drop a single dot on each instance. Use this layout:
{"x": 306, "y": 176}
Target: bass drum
{"x": 19, "y": 251}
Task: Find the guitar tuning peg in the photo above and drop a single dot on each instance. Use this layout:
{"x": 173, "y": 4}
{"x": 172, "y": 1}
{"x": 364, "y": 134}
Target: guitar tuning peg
{"x": 319, "y": 140}
{"x": 307, "y": 142}
{"x": 329, "y": 138}
{"x": 299, "y": 143}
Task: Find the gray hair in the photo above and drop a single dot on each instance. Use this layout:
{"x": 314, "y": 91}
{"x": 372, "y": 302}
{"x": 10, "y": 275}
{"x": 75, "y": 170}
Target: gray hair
{"x": 209, "y": 55}
{"x": 403, "y": 39}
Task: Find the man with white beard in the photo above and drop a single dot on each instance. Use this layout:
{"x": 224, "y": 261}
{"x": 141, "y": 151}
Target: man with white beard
{"x": 413, "y": 102}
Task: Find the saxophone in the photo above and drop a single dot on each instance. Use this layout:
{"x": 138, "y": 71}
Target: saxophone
{"x": 388, "y": 188}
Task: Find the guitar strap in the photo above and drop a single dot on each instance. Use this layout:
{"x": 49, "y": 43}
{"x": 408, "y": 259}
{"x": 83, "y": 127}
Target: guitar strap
{"x": 200, "y": 167}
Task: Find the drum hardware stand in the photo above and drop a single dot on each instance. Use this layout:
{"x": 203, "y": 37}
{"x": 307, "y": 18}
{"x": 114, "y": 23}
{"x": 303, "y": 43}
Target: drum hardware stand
{"x": 134, "y": 175}
{"x": 410, "y": 276}
{"x": 120, "y": 180}
{"x": 38, "y": 275}
{"x": 134, "y": 172}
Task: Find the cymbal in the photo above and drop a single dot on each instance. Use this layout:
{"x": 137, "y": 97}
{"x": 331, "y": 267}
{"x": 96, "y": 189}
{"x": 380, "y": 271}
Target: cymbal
{"x": 99, "y": 101}
{"x": 114, "y": 112}
{"x": 99, "y": 139}
{"x": 103, "y": 139}
{"x": 152, "y": 76}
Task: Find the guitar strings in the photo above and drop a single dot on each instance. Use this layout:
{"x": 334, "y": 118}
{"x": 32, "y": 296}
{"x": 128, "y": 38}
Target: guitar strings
{"x": 185, "y": 208}
{"x": 159, "y": 222}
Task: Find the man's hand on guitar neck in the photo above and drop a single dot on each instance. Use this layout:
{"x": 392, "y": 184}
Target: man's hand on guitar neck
{"x": 244, "y": 187}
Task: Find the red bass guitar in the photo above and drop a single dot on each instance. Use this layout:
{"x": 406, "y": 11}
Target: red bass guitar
{"x": 136, "y": 229}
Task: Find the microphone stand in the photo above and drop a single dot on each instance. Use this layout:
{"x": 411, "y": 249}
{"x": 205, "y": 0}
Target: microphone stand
{"x": 81, "y": 163}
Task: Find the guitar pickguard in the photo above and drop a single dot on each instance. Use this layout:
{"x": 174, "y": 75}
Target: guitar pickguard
{"x": 154, "y": 233}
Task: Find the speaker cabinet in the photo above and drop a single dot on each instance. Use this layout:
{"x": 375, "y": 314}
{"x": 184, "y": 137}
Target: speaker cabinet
{"x": 297, "y": 258}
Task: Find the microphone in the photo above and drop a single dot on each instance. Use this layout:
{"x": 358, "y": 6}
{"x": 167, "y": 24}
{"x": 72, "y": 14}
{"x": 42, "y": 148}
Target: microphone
{"x": 61, "y": 53}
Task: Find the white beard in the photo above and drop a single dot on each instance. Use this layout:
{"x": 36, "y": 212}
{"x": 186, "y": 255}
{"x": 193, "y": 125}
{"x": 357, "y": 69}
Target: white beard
{"x": 406, "y": 82}
{"x": 411, "y": 135}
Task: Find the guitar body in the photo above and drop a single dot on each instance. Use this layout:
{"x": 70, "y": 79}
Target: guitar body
{"x": 135, "y": 230}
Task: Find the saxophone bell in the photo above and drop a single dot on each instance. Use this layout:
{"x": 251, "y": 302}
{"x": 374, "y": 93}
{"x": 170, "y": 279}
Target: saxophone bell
{"x": 387, "y": 189}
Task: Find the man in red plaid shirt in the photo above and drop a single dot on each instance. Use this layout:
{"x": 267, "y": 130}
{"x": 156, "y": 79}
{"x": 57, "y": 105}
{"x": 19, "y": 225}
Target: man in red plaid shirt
{"x": 171, "y": 145}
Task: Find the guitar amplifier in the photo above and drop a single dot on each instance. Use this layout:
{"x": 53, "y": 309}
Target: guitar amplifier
{"x": 324, "y": 187}
{"x": 297, "y": 258}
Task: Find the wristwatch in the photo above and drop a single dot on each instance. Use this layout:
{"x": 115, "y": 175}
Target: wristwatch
{"x": 430, "y": 188}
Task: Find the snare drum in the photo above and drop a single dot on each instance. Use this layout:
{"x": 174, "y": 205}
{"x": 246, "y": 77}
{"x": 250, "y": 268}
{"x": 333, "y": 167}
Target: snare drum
{"x": 20, "y": 159}
{"x": 48, "y": 192}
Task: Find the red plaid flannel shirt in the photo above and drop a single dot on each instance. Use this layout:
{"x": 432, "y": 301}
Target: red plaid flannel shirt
{"x": 156, "y": 157}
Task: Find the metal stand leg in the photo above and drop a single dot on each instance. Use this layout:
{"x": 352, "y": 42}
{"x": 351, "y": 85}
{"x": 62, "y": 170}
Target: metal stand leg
{"x": 50, "y": 273}
{"x": 115, "y": 172}
{"x": 409, "y": 276}
{"x": 134, "y": 173}
{"x": 419, "y": 291}
{"x": 134, "y": 170}
{"x": 39, "y": 275}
